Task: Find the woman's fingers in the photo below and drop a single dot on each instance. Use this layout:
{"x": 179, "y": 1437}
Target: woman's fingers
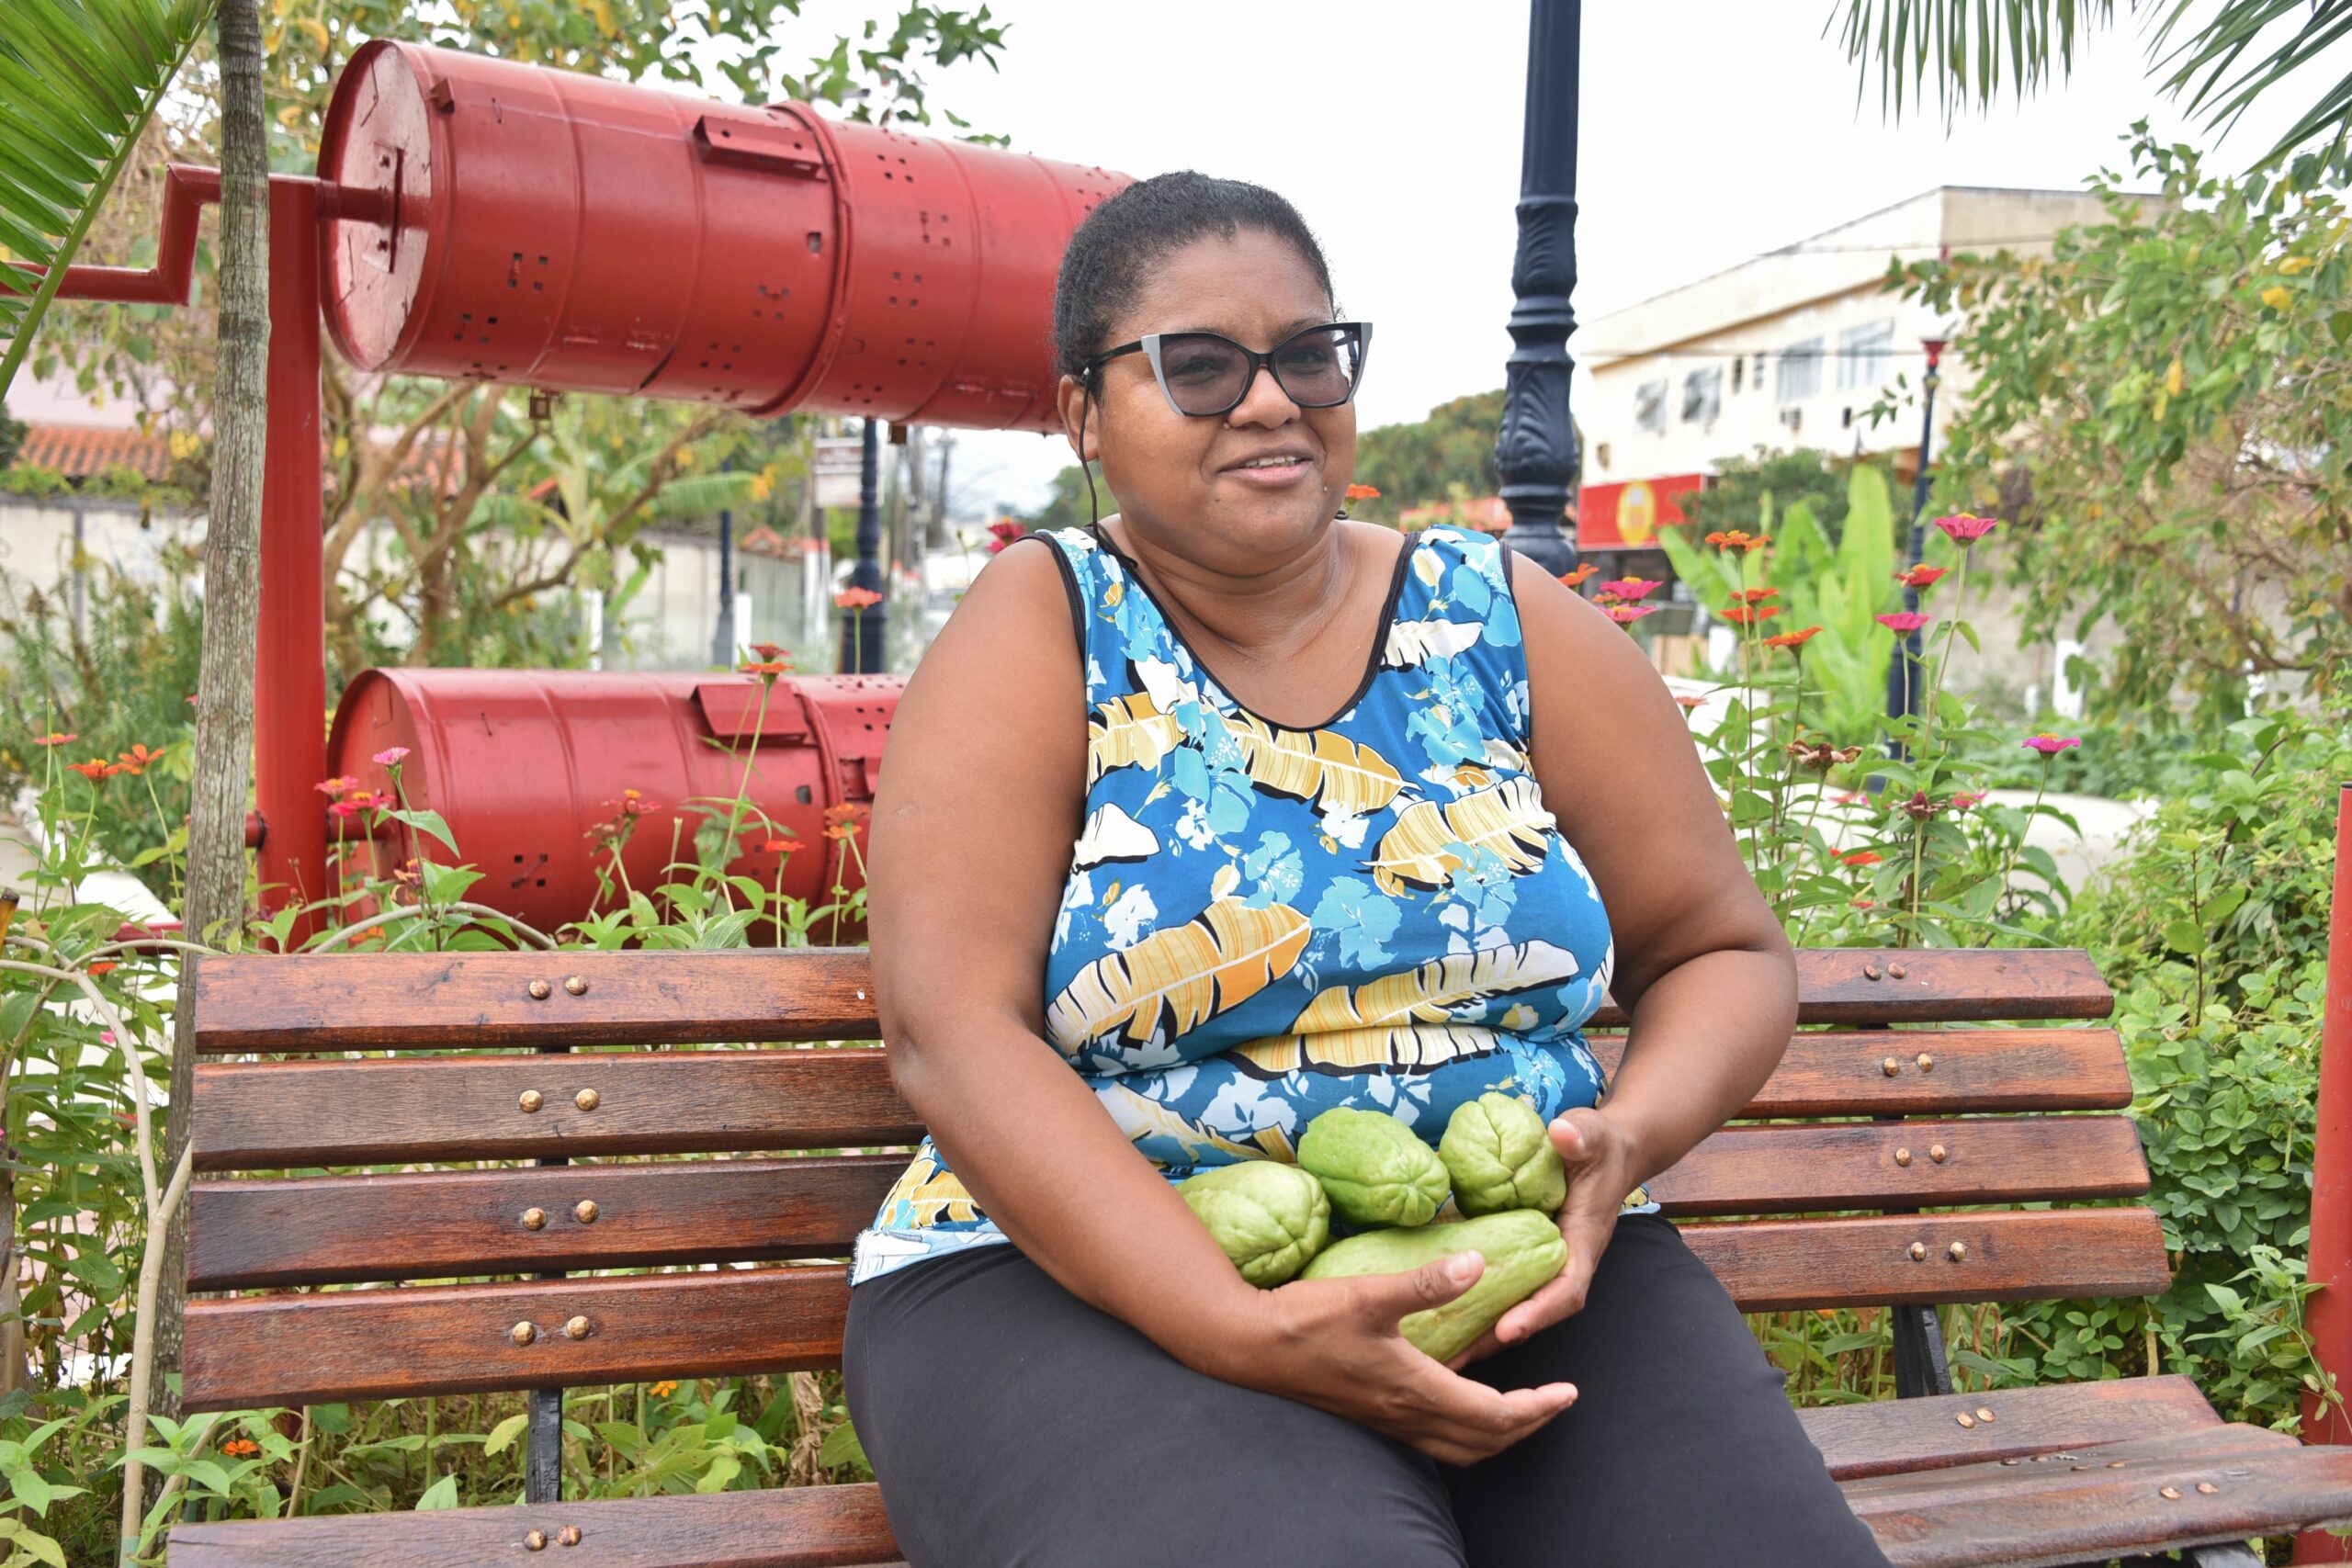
{"x": 1386, "y": 1297}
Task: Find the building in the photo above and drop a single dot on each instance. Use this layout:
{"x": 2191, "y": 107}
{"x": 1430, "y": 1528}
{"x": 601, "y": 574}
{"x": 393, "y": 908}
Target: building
{"x": 1791, "y": 349}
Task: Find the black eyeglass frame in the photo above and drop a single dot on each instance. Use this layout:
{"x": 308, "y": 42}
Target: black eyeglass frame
{"x": 1150, "y": 347}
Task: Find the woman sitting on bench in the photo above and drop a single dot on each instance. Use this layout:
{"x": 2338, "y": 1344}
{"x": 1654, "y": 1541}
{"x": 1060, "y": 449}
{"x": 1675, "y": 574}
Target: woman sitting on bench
{"x": 1222, "y": 813}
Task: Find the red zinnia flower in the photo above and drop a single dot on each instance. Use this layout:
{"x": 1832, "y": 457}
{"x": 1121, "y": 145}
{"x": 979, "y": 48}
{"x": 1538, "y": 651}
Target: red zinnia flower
{"x": 1904, "y": 622}
{"x": 1743, "y": 614}
{"x": 856, "y": 598}
{"x": 1688, "y": 703}
{"x": 1362, "y": 492}
{"x": 1963, "y": 799}
{"x": 1755, "y": 595}
{"x": 1577, "y": 579}
{"x": 94, "y": 770}
{"x": 1626, "y": 614}
{"x": 1966, "y": 527}
{"x": 1861, "y": 857}
{"x": 768, "y": 667}
{"x": 137, "y": 759}
{"x": 1793, "y": 639}
{"x": 777, "y": 846}
{"x": 2051, "y": 745}
{"x": 1921, "y": 575}
{"x": 771, "y": 650}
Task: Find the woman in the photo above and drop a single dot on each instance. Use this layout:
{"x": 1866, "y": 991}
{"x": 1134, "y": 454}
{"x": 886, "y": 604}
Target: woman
{"x": 1244, "y": 810}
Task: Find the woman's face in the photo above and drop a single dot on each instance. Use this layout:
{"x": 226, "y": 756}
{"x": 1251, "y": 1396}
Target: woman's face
{"x": 1203, "y": 486}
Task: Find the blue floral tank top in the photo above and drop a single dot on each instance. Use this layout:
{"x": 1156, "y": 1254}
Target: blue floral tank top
{"x": 1261, "y": 923}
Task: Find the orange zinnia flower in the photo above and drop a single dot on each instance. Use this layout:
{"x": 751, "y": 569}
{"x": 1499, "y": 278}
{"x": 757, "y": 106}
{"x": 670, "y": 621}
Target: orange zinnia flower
{"x": 94, "y": 770}
{"x": 137, "y": 759}
{"x": 856, "y": 598}
{"x": 1742, "y": 616}
{"x": 1755, "y": 595}
{"x": 768, "y": 667}
{"x": 1362, "y": 492}
{"x": 1793, "y": 639}
{"x": 1861, "y": 857}
{"x": 1738, "y": 539}
{"x": 1575, "y": 579}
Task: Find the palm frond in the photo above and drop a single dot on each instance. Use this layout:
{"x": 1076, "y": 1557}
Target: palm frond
{"x": 78, "y": 81}
{"x": 2218, "y": 58}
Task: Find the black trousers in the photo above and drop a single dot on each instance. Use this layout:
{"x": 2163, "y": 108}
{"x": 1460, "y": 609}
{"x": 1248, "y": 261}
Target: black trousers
{"x": 1011, "y": 1425}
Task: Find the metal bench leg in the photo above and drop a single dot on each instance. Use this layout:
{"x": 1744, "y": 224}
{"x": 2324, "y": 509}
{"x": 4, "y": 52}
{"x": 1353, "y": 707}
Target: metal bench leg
{"x": 1920, "y": 1364}
{"x": 543, "y": 1447}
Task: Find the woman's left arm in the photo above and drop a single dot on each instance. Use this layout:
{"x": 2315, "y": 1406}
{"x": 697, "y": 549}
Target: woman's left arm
{"x": 1703, "y": 969}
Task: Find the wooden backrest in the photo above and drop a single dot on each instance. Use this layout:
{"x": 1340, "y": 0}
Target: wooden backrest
{"x": 569, "y": 1058}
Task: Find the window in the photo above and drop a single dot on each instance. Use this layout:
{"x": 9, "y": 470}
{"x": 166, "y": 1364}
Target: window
{"x": 1601, "y": 453}
{"x": 1649, "y": 406}
{"x": 1738, "y": 366}
{"x": 1799, "y": 376}
{"x": 1703, "y": 395}
{"x": 1865, "y": 355}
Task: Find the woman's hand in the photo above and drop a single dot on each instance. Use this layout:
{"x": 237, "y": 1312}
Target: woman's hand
{"x": 1334, "y": 1343}
{"x": 1600, "y": 1161}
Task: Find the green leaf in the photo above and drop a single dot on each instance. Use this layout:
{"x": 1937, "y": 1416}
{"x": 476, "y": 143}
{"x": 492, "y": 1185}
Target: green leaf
{"x": 442, "y": 1493}
{"x": 502, "y": 1437}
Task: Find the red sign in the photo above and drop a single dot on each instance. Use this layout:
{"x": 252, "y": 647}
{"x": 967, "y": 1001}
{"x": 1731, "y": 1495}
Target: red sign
{"x": 1628, "y": 516}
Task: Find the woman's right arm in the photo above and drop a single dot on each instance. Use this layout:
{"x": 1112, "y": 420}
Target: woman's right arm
{"x": 974, "y": 819}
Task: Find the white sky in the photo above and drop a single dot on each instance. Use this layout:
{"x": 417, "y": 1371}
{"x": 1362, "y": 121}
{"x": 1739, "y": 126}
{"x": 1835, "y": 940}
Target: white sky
{"x": 1712, "y": 130}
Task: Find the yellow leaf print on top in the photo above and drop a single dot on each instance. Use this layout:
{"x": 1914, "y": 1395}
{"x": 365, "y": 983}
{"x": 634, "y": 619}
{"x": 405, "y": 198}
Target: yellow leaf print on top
{"x": 1337, "y": 773}
{"x": 1180, "y": 976}
{"x": 1141, "y": 1117}
{"x": 1408, "y": 1022}
{"x": 1129, "y": 732}
{"x": 1508, "y": 819}
{"x": 931, "y": 1194}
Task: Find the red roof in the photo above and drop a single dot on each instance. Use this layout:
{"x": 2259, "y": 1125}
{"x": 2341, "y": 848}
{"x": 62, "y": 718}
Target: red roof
{"x": 78, "y": 451}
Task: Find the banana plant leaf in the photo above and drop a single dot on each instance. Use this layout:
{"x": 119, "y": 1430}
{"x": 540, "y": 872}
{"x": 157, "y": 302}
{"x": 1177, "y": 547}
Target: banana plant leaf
{"x": 78, "y": 81}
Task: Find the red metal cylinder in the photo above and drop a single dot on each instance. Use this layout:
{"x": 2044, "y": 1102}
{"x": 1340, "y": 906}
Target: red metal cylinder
{"x": 2329, "y": 1316}
{"x": 574, "y": 232}
{"x": 527, "y": 766}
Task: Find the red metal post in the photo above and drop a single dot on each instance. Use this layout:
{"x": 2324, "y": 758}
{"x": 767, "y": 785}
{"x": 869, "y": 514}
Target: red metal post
{"x": 2330, "y": 1319}
{"x": 289, "y": 666}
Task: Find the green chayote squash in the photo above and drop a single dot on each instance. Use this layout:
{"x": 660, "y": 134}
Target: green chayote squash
{"x": 1376, "y": 1169}
{"x": 1500, "y": 1158}
{"x": 1522, "y": 1247}
{"x": 1270, "y": 1217}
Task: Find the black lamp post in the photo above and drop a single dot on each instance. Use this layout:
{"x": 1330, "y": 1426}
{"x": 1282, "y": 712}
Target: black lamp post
{"x": 1903, "y": 675}
{"x": 864, "y": 625}
{"x": 1535, "y": 454}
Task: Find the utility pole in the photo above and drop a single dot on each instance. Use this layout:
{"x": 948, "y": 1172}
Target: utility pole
{"x": 1535, "y": 454}
{"x": 864, "y": 625}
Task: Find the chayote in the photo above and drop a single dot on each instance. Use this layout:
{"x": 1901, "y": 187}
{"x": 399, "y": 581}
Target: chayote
{"x": 1500, "y": 1158}
{"x": 1376, "y": 1169}
{"x": 1270, "y": 1217}
{"x": 1522, "y": 1247}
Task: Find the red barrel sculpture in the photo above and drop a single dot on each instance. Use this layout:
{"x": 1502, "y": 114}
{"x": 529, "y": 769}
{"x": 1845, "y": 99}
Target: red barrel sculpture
{"x": 567, "y": 790}
{"x": 574, "y": 234}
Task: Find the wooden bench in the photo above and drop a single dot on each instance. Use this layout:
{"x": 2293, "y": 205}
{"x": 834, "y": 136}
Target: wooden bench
{"x": 1940, "y": 1136}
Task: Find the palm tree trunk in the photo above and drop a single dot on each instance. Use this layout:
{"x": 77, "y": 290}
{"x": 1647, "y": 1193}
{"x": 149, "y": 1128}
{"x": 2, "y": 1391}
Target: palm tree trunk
{"x": 224, "y": 693}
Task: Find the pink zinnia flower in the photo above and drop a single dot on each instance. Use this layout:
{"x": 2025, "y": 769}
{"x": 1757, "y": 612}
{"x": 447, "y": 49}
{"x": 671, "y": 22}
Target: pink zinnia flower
{"x": 1966, "y": 527}
{"x": 1626, "y": 614}
{"x": 55, "y": 738}
{"x": 1964, "y": 798}
{"x": 1904, "y": 622}
{"x": 336, "y": 785}
{"x": 2051, "y": 745}
{"x": 389, "y": 757}
{"x": 1630, "y": 589}
{"x": 343, "y": 809}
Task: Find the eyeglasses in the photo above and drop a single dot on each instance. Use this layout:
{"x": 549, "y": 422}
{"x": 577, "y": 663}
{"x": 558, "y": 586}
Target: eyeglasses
{"x": 1203, "y": 375}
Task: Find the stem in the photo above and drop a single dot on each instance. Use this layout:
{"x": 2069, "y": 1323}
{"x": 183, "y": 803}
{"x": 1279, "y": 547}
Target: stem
{"x": 142, "y": 1350}
{"x": 459, "y": 905}
{"x": 2018, "y": 843}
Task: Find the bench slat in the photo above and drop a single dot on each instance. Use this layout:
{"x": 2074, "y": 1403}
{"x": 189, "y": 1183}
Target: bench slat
{"x": 2050, "y": 1514}
{"x": 385, "y": 1343}
{"x": 311, "y": 1003}
{"x": 392, "y": 1111}
{"x": 250, "y": 1234}
{"x": 800, "y": 1527}
{"x": 312, "y": 1230}
{"x": 1911, "y": 1434}
{"x": 388, "y": 1111}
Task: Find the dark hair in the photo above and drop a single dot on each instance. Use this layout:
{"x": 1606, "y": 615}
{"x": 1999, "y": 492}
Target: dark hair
{"x": 1116, "y": 248}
